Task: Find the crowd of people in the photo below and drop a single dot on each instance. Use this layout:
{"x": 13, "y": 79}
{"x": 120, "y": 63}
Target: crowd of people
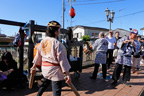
{"x": 127, "y": 52}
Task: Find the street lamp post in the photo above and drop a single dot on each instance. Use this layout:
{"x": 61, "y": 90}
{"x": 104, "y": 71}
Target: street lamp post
{"x": 110, "y": 17}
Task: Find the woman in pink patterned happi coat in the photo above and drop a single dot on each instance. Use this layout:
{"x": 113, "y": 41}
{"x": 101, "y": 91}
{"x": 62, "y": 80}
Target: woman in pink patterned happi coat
{"x": 52, "y": 57}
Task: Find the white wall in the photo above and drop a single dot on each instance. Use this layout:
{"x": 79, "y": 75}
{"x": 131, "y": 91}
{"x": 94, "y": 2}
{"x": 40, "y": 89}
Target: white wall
{"x": 43, "y": 34}
{"x": 86, "y": 31}
{"x": 90, "y": 32}
{"x": 78, "y": 30}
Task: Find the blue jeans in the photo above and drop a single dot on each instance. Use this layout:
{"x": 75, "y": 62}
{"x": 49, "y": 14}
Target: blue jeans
{"x": 56, "y": 87}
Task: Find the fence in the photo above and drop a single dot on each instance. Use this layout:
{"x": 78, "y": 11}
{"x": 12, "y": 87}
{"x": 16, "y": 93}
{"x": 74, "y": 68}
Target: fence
{"x": 87, "y": 59}
{"x": 14, "y": 51}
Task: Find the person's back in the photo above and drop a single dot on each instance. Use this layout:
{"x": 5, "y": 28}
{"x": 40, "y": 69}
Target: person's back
{"x": 47, "y": 48}
{"x": 102, "y": 45}
{"x": 53, "y": 60}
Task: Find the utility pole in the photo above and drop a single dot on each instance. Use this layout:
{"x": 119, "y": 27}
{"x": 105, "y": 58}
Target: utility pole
{"x": 71, "y": 4}
{"x": 63, "y": 12}
{"x": 0, "y": 30}
{"x": 71, "y": 12}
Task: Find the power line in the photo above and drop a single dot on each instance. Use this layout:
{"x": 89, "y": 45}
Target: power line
{"x": 58, "y": 13}
{"x": 130, "y": 14}
{"x": 117, "y": 17}
{"x": 100, "y": 2}
{"x": 94, "y": 22}
{"x": 86, "y": 0}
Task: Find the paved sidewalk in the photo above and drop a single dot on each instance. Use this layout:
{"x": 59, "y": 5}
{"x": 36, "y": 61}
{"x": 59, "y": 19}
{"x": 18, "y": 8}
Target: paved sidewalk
{"x": 88, "y": 87}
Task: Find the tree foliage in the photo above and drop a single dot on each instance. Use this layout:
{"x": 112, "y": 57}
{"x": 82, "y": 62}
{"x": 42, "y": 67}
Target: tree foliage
{"x": 86, "y": 38}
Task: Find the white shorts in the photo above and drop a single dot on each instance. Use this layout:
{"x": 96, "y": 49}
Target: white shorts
{"x": 135, "y": 62}
{"x": 115, "y": 53}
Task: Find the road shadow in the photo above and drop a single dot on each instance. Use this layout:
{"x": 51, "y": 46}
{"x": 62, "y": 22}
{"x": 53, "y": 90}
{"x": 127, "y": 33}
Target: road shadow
{"x": 84, "y": 84}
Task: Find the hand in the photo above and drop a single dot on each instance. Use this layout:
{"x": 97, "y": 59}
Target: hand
{"x": 126, "y": 41}
{"x": 67, "y": 77}
{"x": 68, "y": 80}
{"x": 132, "y": 40}
{"x": 1, "y": 72}
{"x": 106, "y": 33}
{"x": 141, "y": 48}
{"x": 33, "y": 70}
{"x": 11, "y": 70}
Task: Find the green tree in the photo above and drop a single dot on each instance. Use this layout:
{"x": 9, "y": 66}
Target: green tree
{"x": 86, "y": 38}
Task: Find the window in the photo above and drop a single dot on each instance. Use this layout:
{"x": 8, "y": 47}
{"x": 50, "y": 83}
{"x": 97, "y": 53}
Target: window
{"x": 80, "y": 35}
{"x": 39, "y": 35}
{"x": 75, "y": 35}
{"x": 94, "y": 34}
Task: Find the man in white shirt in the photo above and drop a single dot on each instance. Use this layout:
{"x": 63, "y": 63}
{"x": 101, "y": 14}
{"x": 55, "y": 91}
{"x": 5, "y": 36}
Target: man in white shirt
{"x": 111, "y": 43}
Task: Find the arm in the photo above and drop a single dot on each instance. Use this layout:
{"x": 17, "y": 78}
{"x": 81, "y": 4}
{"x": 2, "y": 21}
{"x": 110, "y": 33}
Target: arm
{"x": 63, "y": 61}
{"x": 105, "y": 35}
{"x": 114, "y": 42}
{"x": 6, "y": 72}
{"x": 95, "y": 45}
{"x": 37, "y": 61}
{"x": 121, "y": 42}
{"x": 141, "y": 48}
{"x": 124, "y": 42}
{"x": 137, "y": 46}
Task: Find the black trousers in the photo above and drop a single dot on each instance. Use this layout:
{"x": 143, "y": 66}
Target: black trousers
{"x": 109, "y": 57}
{"x": 104, "y": 70}
{"x": 56, "y": 87}
{"x": 10, "y": 82}
{"x": 126, "y": 73}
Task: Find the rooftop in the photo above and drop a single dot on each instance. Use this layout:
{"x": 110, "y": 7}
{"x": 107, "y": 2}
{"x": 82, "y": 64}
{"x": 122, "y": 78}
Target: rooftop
{"x": 2, "y": 35}
{"x": 88, "y": 27}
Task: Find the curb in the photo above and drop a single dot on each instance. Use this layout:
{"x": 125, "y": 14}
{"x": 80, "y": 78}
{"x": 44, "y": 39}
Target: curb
{"x": 86, "y": 66}
{"x": 142, "y": 92}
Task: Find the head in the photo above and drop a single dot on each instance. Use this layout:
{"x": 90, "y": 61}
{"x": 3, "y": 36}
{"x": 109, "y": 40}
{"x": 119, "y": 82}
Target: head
{"x": 139, "y": 38}
{"x": 7, "y": 57}
{"x": 117, "y": 34}
{"x": 101, "y": 35}
{"x": 53, "y": 29}
{"x": 142, "y": 39}
{"x": 133, "y": 34}
{"x": 111, "y": 33}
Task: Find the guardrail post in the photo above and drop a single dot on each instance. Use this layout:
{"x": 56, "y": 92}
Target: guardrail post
{"x": 30, "y": 46}
{"x": 21, "y": 49}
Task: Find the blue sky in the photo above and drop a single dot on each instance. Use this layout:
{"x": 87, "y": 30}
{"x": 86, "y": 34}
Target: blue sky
{"x": 43, "y": 11}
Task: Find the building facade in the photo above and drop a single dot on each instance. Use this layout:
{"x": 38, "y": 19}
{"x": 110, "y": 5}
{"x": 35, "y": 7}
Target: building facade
{"x": 79, "y": 31}
{"x": 142, "y": 30}
{"x": 122, "y": 32}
